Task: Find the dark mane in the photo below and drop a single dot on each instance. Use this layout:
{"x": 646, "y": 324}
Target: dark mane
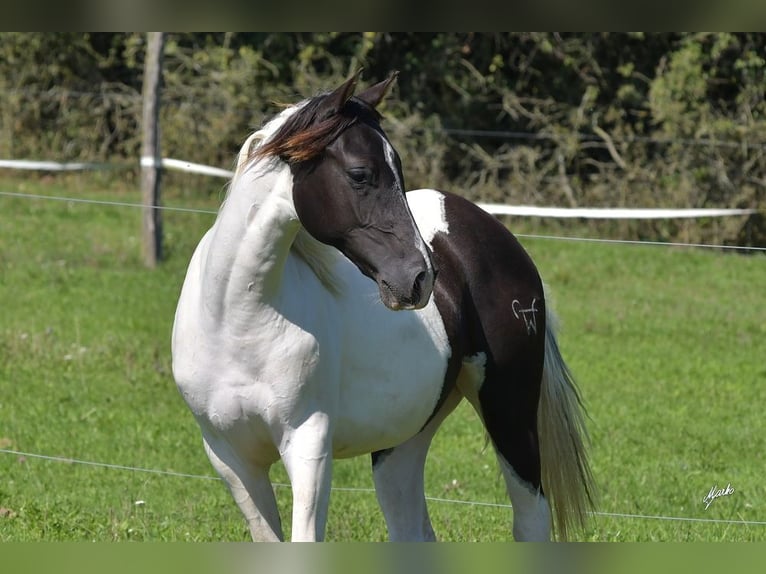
{"x": 306, "y": 133}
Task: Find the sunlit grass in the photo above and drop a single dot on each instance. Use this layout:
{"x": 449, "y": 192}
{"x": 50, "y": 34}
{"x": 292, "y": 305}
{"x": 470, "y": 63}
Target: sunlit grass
{"x": 667, "y": 345}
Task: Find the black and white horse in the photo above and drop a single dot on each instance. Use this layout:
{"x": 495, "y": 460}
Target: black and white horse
{"x": 283, "y": 350}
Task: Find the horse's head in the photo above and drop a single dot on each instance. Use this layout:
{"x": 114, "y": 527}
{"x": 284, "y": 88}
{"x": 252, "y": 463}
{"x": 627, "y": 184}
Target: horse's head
{"x": 348, "y": 190}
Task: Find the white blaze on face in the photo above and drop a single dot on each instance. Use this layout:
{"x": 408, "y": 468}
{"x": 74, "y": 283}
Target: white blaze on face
{"x": 391, "y": 161}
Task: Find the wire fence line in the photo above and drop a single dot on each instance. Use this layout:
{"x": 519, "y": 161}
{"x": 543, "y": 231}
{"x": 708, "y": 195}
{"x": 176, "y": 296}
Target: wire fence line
{"x": 170, "y": 473}
{"x": 641, "y": 242}
{"x": 520, "y": 235}
{"x": 105, "y": 202}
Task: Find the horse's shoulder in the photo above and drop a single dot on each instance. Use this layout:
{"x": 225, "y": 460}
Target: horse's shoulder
{"x": 461, "y": 226}
{"x": 474, "y": 252}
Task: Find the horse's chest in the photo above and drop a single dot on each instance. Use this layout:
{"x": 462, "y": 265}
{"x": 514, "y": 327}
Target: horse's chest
{"x": 377, "y": 373}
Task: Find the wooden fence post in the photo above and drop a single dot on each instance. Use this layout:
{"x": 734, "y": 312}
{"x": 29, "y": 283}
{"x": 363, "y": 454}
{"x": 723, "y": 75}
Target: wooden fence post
{"x": 151, "y": 169}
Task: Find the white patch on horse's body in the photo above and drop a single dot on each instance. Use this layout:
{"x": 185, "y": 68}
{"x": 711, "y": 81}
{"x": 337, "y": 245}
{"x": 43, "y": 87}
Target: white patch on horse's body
{"x": 528, "y": 315}
{"x": 471, "y": 377}
{"x": 475, "y": 366}
{"x": 427, "y": 206}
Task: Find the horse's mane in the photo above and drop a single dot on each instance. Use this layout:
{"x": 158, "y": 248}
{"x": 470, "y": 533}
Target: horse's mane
{"x": 308, "y": 131}
{"x": 248, "y": 153}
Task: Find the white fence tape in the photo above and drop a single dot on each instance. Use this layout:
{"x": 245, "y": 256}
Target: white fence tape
{"x": 187, "y": 166}
{"x": 146, "y": 161}
{"x": 608, "y": 212}
{"x": 493, "y": 208}
{"x": 50, "y": 165}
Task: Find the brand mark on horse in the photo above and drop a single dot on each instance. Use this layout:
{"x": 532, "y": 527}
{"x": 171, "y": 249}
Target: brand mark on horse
{"x": 530, "y": 319}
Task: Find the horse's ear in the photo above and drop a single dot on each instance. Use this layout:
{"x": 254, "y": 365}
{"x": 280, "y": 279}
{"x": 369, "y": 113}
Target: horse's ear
{"x": 375, "y": 94}
{"x": 335, "y": 100}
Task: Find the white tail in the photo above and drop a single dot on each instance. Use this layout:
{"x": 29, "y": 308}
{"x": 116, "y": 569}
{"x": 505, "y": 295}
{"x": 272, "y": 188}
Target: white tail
{"x": 566, "y": 475}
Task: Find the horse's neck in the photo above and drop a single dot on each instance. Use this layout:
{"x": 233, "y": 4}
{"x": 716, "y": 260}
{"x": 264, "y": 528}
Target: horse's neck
{"x": 252, "y": 236}
{"x": 256, "y": 231}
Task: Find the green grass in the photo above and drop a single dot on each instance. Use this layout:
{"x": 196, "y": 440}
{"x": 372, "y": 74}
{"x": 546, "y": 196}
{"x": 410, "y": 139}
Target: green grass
{"x": 667, "y": 345}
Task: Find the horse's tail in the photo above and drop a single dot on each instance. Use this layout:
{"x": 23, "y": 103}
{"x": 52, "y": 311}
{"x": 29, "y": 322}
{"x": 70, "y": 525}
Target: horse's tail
{"x": 566, "y": 474}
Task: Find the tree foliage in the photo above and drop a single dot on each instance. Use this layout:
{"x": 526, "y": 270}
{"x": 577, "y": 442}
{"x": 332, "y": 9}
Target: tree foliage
{"x": 593, "y": 119}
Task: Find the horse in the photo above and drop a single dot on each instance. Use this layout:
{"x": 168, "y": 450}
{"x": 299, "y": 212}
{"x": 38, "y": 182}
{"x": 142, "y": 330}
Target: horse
{"x": 311, "y": 326}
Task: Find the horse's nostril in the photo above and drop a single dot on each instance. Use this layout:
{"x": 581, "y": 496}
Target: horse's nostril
{"x": 417, "y": 288}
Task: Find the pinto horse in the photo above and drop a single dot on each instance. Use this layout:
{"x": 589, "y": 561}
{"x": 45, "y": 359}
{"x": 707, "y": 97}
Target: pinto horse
{"x": 282, "y": 348}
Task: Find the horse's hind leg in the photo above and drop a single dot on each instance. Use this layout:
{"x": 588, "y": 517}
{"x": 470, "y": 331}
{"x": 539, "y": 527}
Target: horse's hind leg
{"x": 531, "y": 512}
{"x": 252, "y": 491}
{"x": 509, "y": 410}
{"x": 398, "y": 474}
{"x": 506, "y": 401}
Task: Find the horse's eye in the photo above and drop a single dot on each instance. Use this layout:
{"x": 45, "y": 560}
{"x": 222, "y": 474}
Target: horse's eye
{"x": 360, "y": 175}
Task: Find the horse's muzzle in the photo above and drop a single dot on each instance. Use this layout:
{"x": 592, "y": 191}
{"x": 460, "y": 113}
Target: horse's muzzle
{"x": 415, "y": 295}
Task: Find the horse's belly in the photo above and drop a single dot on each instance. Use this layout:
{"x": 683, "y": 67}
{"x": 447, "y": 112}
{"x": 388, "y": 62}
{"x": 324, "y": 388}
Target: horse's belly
{"x": 384, "y": 422}
{"x": 394, "y": 375}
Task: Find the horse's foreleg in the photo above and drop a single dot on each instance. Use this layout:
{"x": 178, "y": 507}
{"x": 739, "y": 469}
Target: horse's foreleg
{"x": 252, "y": 491}
{"x": 399, "y": 484}
{"x": 511, "y": 425}
{"x": 307, "y": 456}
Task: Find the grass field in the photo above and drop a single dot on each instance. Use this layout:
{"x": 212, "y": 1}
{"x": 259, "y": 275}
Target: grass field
{"x": 667, "y": 345}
